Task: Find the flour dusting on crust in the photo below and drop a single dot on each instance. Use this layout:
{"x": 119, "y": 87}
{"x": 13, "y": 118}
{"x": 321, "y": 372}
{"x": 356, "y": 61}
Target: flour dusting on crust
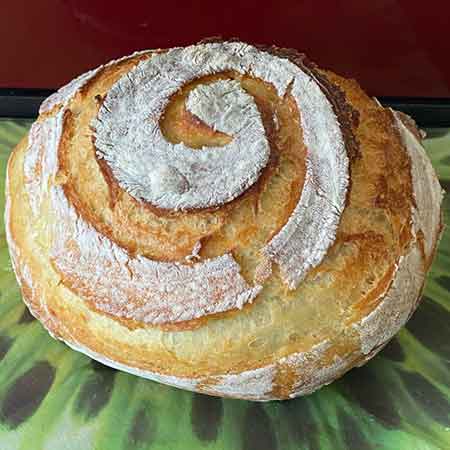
{"x": 189, "y": 384}
{"x": 156, "y": 292}
{"x": 303, "y": 242}
{"x": 175, "y": 176}
{"x": 138, "y": 288}
{"x": 256, "y": 384}
{"x": 63, "y": 95}
{"x": 129, "y": 138}
{"x": 151, "y": 292}
{"x": 249, "y": 384}
{"x": 395, "y": 308}
{"x": 426, "y": 188}
{"x": 41, "y": 158}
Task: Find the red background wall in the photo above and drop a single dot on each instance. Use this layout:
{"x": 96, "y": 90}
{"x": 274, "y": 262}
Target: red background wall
{"x": 393, "y": 47}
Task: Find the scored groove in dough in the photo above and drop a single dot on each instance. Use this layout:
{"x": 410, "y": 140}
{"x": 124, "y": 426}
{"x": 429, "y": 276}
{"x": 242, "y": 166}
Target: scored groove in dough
{"x": 154, "y": 292}
{"x": 129, "y": 138}
{"x": 426, "y": 193}
{"x": 320, "y": 362}
{"x": 132, "y": 288}
{"x": 138, "y": 288}
{"x": 409, "y": 277}
{"x": 174, "y": 176}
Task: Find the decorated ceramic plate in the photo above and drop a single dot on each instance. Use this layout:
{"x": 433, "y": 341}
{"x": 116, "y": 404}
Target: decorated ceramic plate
{"x": 53, "y": 398}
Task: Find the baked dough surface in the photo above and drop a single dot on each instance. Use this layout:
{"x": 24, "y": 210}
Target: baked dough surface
{"x": 285, "y": 341}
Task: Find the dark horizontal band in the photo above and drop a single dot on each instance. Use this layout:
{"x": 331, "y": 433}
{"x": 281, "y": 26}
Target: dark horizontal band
{"x": 427, "y": 112}
{"x": 22, "y": 103}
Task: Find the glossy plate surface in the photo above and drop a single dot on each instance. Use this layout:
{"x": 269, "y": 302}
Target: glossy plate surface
{"x": 54, "y": 398}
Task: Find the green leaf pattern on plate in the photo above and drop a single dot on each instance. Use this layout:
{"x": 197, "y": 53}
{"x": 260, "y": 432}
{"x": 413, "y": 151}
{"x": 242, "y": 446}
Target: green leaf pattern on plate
{"x": 54, "y": 398}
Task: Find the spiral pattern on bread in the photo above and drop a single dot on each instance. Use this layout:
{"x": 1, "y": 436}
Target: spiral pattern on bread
{"x": 222, "y": 217}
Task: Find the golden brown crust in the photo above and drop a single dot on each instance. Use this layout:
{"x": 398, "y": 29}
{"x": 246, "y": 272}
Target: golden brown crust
{"x": 350, "y": 284}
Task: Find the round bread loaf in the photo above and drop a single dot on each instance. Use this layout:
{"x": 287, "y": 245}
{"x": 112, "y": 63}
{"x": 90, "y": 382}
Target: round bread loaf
{"x": 223, "y": 218}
